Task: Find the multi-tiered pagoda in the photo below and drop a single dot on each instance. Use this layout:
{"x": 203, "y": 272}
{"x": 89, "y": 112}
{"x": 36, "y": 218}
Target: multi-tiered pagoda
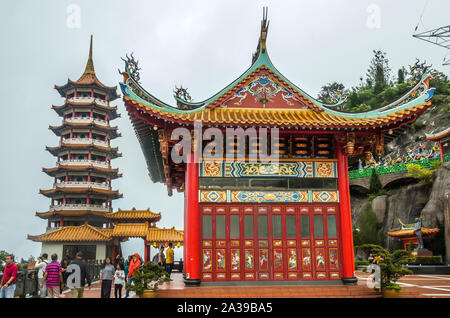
{"x": 82, "y": 195}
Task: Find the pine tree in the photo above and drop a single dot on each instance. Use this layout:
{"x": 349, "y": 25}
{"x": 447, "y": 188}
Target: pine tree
{"x": 375, "y": 184}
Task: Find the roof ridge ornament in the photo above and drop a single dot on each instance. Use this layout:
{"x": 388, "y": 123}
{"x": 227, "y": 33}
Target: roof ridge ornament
{"x": 261, "y": 48}
{"x": 131, "y": 67}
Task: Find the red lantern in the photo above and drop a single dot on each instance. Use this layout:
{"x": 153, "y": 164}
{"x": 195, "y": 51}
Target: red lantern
{"x": 166, "y": 244}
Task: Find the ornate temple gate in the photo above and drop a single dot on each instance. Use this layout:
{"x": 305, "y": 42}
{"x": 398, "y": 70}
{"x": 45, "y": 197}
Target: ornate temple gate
{"x": 270, "y": 242}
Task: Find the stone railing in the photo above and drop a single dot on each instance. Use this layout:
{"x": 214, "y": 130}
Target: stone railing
{"x": 80, "y": 207}
{"x": 85, "y": 141}
{"x": 76, "y": 119}
{"x": 81, "y": 184}
{"x": 88, "y": 100}
{"x": 84, "y": 162}
{"x": 395, "y": 168}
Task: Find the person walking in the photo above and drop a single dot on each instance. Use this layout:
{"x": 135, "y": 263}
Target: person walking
{"x": 106, "y": 276}
{"x": 78, "y": 291}
{"x": 161, "y": 256}
{"x": 8, "y": 286}
{"x": 127, "y": 264}
{"x": 40, "y": 266}
{"x": 169, "y": 259}
{"x": 53, "y": 277}
{"x": 134, "y": 265}
{"x": 119, "y": 280}
{"x": 64, "y": 264}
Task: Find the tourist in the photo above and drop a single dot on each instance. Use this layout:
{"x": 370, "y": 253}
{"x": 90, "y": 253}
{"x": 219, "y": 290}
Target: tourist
{"x": 126, "y": 264}
{"x": 370, "y": 258}
{"x": 106, "y": 276}
{"x": 40, "y": 265}
{"x": 132, "y": 267}
{"x": 53, "y": 277}
{"x": 9, "y": 278}
{"x": 119, "y": 280}
{"x": 169, "y": 259}
{"x": 78, "y": 291}
{"x": 118, "y": 260}
{"x": 161, "y": 257}
{"x": 64, "y": 264}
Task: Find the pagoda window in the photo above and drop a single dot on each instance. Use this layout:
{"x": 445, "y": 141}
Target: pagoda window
{"x": 220, "y": 226}
{"x": 318, "y": 226}
{"x": 290, "y": 226}
{"x": 276, "y": 226}
{"x": 262, "y": 226}
{"x": 304, "y": 226}
{"x": 331, "y": 225}
{"x": 248, "y": 226}
{"x": 234, "y": 226}
{"x": 207, "y": 226}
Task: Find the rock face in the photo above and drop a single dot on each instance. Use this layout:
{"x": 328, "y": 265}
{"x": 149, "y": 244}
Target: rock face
{"x": 440, "y": 193}
{"x": 405, "y": 203}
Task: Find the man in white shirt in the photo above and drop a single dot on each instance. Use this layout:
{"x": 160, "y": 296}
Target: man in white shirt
{"x": 40, "y": 265}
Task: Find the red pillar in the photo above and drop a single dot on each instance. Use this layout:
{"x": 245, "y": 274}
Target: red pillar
{"x": 192, "y": 221}
{"x": 441, "y": 149}
{"x": 348, "y": 263}
{"x": 146, "y": 257}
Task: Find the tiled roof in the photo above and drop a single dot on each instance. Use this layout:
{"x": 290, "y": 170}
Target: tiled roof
{"x": 410, "y": 232}
{"x": 306, "y": 118}
{"x": 164, "y": 235}
{"x": 71, "y": 213}
{"x": 439, "y": 135}
{"x": 82, "y": 233}
{"x": 134, "y": 214}
{"x": 50, "y": 192}
{"x": 130, "y": 230}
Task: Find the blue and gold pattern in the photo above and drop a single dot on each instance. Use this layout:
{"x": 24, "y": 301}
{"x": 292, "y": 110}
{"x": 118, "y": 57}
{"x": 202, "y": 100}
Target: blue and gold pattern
{"x": 229, "y": 196}
{"x": 299, "y": 169}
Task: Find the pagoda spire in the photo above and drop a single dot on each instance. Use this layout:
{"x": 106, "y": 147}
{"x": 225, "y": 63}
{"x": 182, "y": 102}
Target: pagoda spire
{"x": 90, "y": 63}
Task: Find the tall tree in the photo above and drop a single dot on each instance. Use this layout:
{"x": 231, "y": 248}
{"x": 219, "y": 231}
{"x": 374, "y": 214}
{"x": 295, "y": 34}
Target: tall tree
{"x": 401, "y": 75}
{"x": 378, "y": 72}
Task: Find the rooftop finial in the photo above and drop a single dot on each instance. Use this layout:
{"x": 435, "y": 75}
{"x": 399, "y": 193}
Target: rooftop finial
{"x": 264, "y": 29}
{"x": 263, "y": 36}
{"x": 90, "y": 63}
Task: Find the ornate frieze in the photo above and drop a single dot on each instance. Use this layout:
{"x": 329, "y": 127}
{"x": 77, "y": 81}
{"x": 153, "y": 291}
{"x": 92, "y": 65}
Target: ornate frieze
{"x": 299, "y": 169}
{"x": 229, "y": 196}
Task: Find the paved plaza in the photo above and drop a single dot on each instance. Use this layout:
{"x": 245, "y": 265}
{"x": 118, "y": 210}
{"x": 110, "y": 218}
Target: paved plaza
{"x": 413, "y": 286}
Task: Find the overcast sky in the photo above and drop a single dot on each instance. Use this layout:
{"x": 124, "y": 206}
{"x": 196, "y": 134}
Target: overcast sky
{"x": 203, "y": 45}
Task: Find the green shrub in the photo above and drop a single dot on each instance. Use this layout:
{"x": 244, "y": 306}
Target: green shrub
{"x": 375, "y": 184}
{"x": 391, "y": 266}
{"x": 426, "y": 260}
{"x": 361, "y": 263}
{"x": 422, "y": 174}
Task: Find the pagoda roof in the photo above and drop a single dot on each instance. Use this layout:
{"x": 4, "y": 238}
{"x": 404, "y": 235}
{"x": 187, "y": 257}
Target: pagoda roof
{"x": 112, "y": 130}
{"x": 113, "y": 194}
{"x": 111, "y": 110}
{"x": 113, "y": 173}
{"x": 82, "y": 233}
{"x": 284, "y": 104}
{"x": 260, "y": 97}
{"x": 159, "y": 235}
{"x": 55, "y": 150}
{"x": 88, "y": 79}
{"x": 406, "y": 233}
{"x": 49, "y": 214}
{"x": 133, "y": 214}
{"x": 130, "y": 230}
{"x": 438, "y": 135}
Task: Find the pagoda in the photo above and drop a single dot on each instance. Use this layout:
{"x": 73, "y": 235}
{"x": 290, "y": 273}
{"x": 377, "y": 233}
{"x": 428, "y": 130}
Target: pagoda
{"x": 81, "y": 196}
{"x": 247, "y": 219}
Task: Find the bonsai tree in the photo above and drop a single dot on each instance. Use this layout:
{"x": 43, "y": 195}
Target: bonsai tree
{"x": 148, "y": 277}
{"x": 391, "y": 265}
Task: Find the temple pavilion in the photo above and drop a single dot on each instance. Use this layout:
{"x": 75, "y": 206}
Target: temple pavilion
{"x": 249, "y": 220}
{"x": 81, "y": 217}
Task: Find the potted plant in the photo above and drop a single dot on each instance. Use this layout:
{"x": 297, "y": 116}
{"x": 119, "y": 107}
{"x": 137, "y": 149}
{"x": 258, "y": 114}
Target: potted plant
{"x": 146, "y": 279}
{"x": 391, "y": 267}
